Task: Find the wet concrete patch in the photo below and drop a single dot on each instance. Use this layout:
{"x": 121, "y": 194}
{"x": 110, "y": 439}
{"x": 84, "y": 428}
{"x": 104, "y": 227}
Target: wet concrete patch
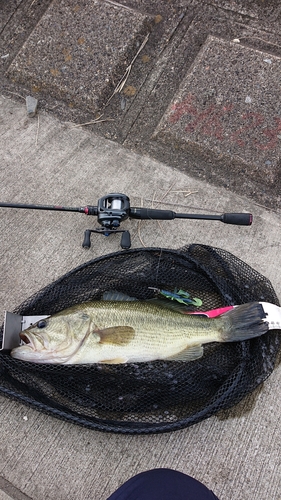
{"x": 229, "y": 106}
{"x": 258, "y": 177}
{"x": 79, "y": 50}
{"x": 238, "y": 150}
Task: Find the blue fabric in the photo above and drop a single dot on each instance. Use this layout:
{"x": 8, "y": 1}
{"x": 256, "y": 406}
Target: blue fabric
{"x": 162, "y": 484}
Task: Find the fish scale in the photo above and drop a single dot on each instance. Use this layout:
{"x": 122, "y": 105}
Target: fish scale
{"x": 134, "y": 331}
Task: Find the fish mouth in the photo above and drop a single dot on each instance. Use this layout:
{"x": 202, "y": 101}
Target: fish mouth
{"x": 24, "y": 338}
{"x": 31, "y": 341}
{"x": 28, "y": 340}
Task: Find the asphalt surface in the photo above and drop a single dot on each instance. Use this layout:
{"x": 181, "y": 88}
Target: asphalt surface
{"x": 173, "y": 138}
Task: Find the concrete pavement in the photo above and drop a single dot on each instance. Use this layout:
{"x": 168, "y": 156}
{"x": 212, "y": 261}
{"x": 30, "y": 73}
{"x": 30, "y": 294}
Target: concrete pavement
{"x": 235, "y": 453}
{"x": 193, "y": 84}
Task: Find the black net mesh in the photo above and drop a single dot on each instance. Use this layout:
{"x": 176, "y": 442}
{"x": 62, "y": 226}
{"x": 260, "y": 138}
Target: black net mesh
{"x": 159, "y": 396}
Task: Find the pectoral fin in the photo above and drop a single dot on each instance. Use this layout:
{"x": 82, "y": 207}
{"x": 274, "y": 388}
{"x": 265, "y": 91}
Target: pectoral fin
{"x": 188, "y": 354}
{"x": 116, "y": 335}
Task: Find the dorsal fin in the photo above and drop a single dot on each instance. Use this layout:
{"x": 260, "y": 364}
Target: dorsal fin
{"x": 113, "y": 295}
{"x": 170, "y": 304}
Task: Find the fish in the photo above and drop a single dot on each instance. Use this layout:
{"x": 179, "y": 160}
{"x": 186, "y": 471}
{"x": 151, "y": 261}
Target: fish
{"x": 133, "y": 331}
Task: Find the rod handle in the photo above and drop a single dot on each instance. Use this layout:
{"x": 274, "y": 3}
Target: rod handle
{"x": 238, "y": 219}
{"x": 151, "y": 213}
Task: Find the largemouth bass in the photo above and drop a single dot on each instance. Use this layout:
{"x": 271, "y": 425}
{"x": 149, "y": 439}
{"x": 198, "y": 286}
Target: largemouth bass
{"x": 133, "y": 331}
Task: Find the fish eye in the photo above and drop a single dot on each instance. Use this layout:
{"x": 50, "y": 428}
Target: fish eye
{"x": 41, "y": 323}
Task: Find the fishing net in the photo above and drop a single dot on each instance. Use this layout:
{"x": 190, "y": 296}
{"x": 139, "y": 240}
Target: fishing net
{"x": 158, "y": 396}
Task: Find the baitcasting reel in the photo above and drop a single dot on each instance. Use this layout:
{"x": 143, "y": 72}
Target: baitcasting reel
{"x": 111, "y": 210}
{"x": 114, "y": 208}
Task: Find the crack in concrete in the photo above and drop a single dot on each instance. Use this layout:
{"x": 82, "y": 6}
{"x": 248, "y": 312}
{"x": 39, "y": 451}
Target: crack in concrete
{"x": 12, "y": 491}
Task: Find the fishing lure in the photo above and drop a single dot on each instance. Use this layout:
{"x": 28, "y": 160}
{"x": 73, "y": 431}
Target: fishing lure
{"x": 180, "y": 296}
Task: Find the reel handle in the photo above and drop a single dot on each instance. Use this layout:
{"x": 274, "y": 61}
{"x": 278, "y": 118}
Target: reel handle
{"x": 125, "y": 240}
{"x": 87, "y": 239}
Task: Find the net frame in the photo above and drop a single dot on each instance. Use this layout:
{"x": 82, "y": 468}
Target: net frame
{"x": 159, "y": 396}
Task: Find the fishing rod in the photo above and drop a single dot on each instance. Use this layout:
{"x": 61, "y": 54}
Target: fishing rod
{"x": 114, "y": 208}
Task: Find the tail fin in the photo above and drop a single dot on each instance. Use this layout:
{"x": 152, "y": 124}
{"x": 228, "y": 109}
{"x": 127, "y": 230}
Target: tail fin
{"x": 243, "y": 322}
